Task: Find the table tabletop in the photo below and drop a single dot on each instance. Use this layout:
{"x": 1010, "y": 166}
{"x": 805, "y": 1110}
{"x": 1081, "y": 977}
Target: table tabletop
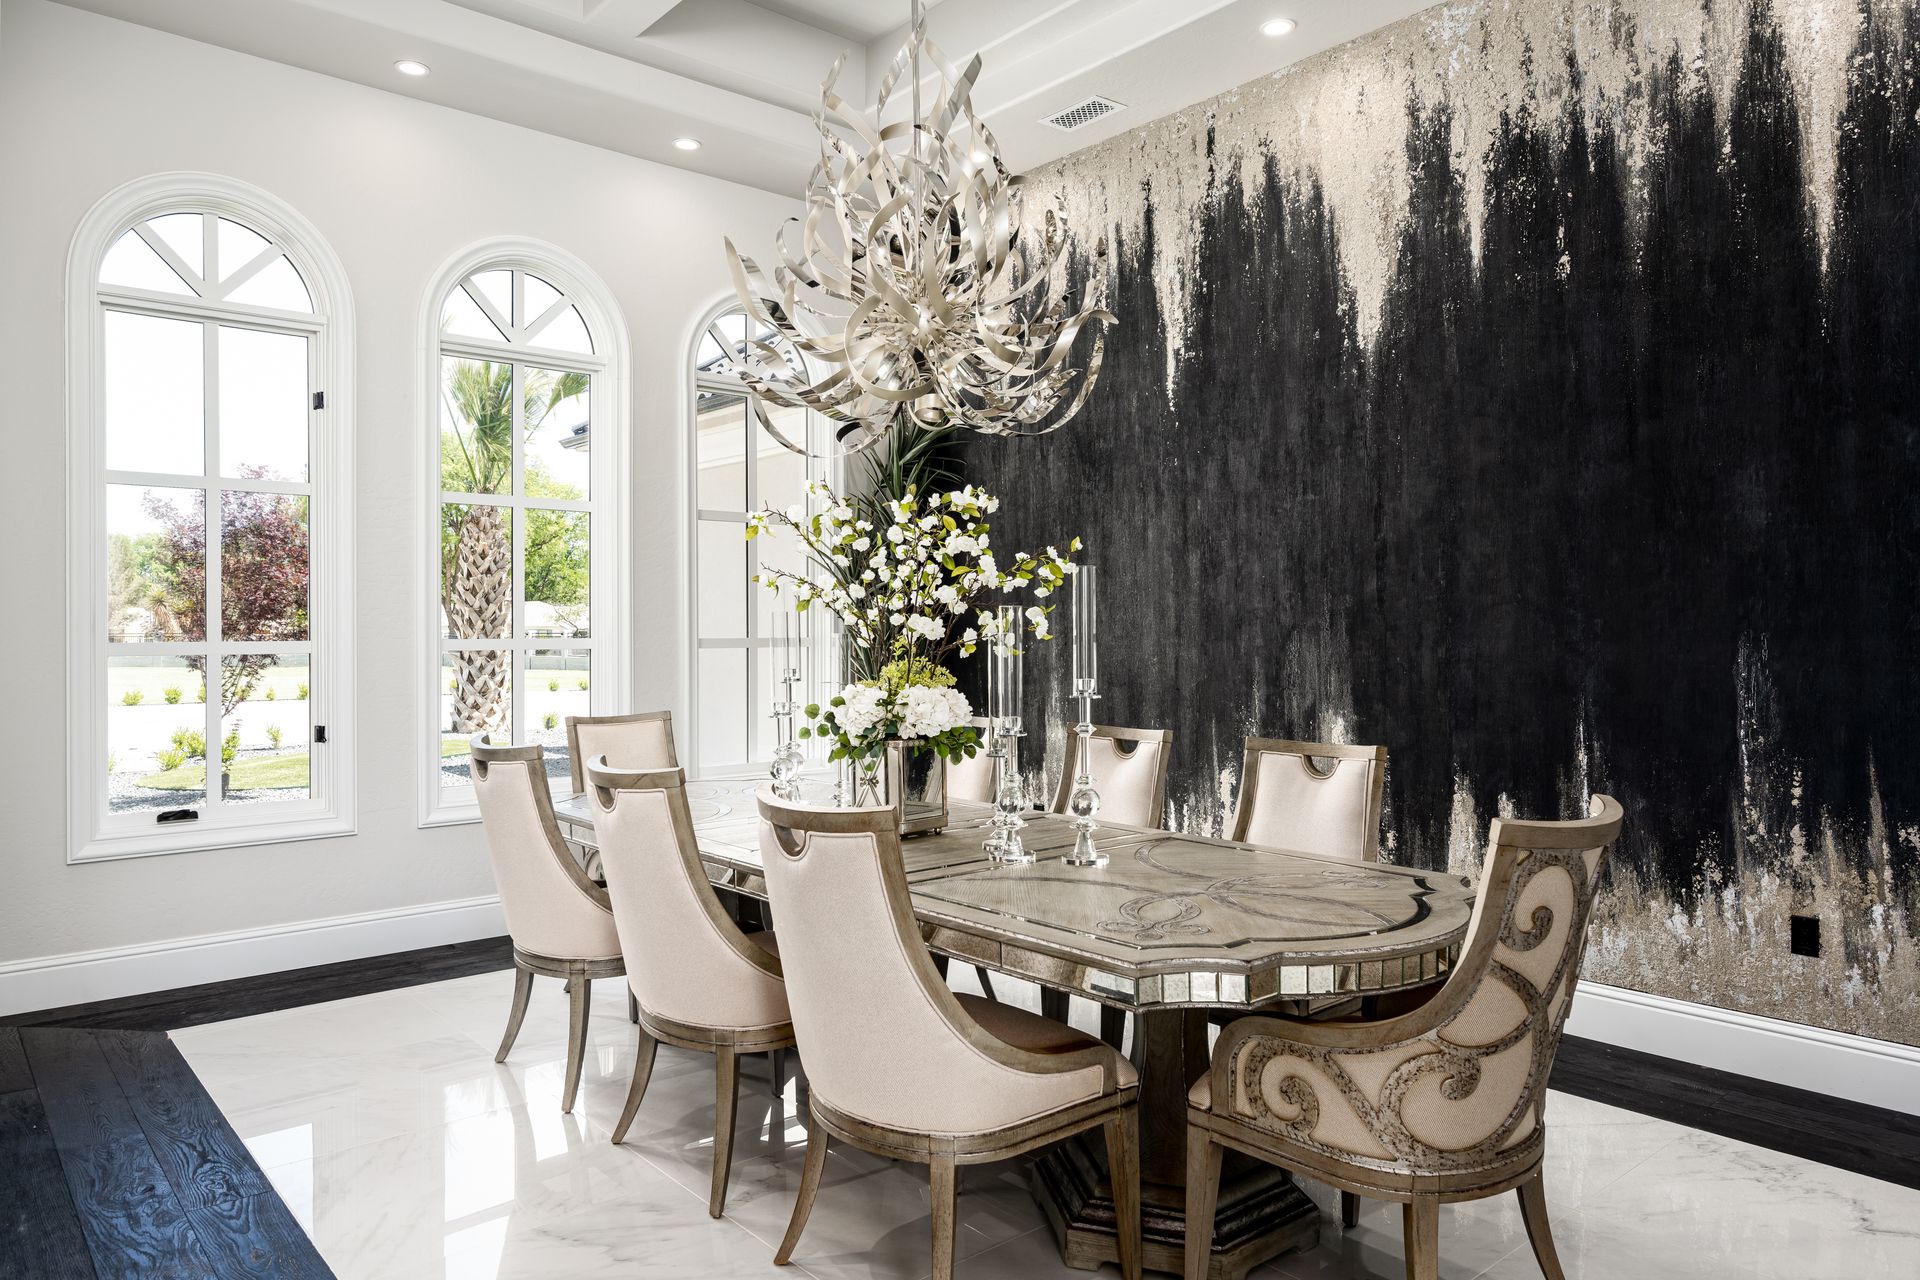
{"x": 1172, "y": 921}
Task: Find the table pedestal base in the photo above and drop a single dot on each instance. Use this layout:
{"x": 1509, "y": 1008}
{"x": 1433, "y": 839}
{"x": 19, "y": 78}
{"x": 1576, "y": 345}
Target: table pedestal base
{"x": 1261, "y": 1214}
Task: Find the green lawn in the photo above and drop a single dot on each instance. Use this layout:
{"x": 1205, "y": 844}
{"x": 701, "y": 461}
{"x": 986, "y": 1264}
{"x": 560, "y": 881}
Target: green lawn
{"x": 254, "y": 773}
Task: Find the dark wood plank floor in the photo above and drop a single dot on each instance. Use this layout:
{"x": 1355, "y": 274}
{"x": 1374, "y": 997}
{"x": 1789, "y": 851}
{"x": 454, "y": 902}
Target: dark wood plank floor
{"x": 115, "y": 1163}
{"x": 1833, "y": 1131}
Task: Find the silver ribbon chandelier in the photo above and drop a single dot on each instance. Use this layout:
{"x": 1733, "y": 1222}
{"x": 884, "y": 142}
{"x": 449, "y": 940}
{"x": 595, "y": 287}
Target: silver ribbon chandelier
{"x": 916, "y": 284}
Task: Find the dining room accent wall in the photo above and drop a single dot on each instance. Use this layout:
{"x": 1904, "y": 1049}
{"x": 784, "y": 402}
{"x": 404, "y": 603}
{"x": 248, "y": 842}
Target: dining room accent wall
{"x": 1530, "y": 387}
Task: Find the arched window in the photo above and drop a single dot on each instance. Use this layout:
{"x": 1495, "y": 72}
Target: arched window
{"x": 737, "y": 468}
{"x": 211, "y": 453}
{"x": 524, "y": 458}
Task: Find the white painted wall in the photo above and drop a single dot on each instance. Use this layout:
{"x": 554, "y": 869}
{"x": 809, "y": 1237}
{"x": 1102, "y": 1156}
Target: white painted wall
{"x": 396, "y": 186}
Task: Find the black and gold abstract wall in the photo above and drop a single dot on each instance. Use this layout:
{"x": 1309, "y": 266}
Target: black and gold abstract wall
{"x": 1531, "y": 387}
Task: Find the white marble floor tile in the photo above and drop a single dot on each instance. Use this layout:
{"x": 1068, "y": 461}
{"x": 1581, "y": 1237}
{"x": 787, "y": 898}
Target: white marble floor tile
{"x": 407, "y": 1152}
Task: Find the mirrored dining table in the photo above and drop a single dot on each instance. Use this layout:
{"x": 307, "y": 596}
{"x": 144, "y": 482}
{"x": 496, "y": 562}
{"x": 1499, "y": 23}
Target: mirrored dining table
{"x": 1177, "y": 930}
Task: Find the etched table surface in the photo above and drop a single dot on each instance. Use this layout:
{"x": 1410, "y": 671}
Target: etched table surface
{"x": 1171, "y": 920}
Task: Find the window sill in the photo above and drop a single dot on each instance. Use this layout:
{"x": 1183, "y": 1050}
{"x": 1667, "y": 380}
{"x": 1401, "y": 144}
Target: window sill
{"x": 112, "y": 848}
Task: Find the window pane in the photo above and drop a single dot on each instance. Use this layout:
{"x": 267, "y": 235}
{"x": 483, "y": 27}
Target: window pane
{"x": 463, "y": 318}
{"x": 264, "y": 403}
{"x": 475, "y": 697}
{"x": 156, "y": 734}
{"x": 263, "y": 566}
{"x": 555, "y": 417}
{"x": 720, "y": 450}
{"x": 476, "y": 426}
{"x": 565, "y": 332}
{"x": 707, "y": 359}
{"x": 155, "y": 373}
{"x": 723, "y": 707}
{"x": 156, "y": 564}
{"x": 556, "y": 573}
{"x": 184, "y": 233}
{"x": 538, "y": 298}
{"x": 723, "y": 584}
{"x": 264, "y": 739}
{"x": 779, "y": 550}
{"x": 236, "y": 246}
{"x": 476, "y": 571}
{"x": 496, "y": 288}
{"x": 277, "y": 285}
{"x": 555, "y": 685}
{"x": 760, "y": 729}
{"x": 132, "y": 264}
{"x": 782, "y": 473}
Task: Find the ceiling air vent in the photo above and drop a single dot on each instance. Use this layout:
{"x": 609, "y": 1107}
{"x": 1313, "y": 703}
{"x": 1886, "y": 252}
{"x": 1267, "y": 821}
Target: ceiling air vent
{"x": 1083, "y": 113}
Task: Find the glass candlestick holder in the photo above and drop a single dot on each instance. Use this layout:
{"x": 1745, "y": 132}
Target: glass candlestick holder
{"x": 788, "y": 758}
{"x": 1083, "y": 801}
{"x": 1009, "y": 799}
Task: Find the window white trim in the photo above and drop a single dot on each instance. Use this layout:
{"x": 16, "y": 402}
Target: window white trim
{"x": 612, "y": 650}
{"x": 90, "y": 836}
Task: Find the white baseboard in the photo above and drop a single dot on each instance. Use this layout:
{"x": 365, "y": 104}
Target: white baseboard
{"x": 51, "y": 982}
{"x": 1877, "y": 1072}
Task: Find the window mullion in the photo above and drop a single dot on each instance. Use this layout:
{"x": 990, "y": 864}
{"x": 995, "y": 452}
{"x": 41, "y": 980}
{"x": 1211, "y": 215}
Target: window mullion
{"x": 516, "y": 674}
{"x": 210, "y": 526}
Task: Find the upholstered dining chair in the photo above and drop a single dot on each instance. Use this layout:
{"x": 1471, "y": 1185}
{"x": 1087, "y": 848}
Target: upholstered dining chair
{"x": 898, "y": 1064}
{"x": 971, "y": 778}
{"x": 1129, "y": 771}
{"x": 1443, "y": 1103}
{"x": 560, "y": 921}
{"x": 1291, "y": 801}
{"x": 642, "y": 741}
{"x": 702, "y": 984}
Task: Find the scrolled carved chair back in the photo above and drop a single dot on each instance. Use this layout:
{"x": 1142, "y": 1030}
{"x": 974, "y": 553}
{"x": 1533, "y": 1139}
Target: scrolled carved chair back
{"x": 551, "y": 907}
{"x": 1457, "y": 1086}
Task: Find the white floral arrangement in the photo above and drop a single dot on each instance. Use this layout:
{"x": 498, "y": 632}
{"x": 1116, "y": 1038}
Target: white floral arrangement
{"x": 909, "y": 578}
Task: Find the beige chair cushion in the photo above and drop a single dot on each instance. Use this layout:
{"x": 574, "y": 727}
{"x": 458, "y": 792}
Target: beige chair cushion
{"x": 685, "y": 960}
{"x": 546, "y": 912}
{"x": 882, "y": 1043}
{"x": 1036, "y": 1034}
{"x": 1294, "y": 809}
{"x": 632, "y": 744}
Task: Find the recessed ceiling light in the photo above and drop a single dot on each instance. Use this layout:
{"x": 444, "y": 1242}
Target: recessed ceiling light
{"x": 409, "y": 67}
{"x": 687, "y": 144}
{"x": 1277, "y": 27}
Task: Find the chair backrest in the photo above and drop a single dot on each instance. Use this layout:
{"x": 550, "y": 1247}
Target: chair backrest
{"x": 1459, "y": 1083}
{"x": 552, "y": 908}
{"x": 884, "y": 1039}
{"x": 686, "y": 961}
{"x": 1288, "y": 800}
{"x": 972, "y": 779}
{"x": 642, "y": 743}
{"x": 1129, "y": 771}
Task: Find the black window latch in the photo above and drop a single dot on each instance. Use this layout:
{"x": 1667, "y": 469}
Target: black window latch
{"x": 179, "y": 815}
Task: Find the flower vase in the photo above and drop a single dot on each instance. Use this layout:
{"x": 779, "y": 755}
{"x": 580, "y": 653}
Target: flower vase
{"x": 908, "y": 777}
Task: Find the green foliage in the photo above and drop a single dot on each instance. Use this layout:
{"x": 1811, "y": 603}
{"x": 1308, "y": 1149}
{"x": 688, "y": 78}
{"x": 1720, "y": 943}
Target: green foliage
{"x": 172, "y": 694}
{"x": 274, "y": 735}
{"x": 553, "y": 686}
{"x": 170, "y": 759}
{"x": 552, "y": 720}
{"x": 271, "y": 693}
{"x": 132, "y": 698}
{"x": 303, "y": 691}
{"x": 192, "y": 743}
{"x": 915, "y": 668}
{"x": 113, "y": 762}
{"x": 200, "y": 695}
{"x": 229, "y": 748}
{"x": 583, "y": 683}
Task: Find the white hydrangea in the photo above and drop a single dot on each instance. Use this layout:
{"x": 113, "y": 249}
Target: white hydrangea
{"x": 927, "y": 712}
{"x": 865, "y": 707}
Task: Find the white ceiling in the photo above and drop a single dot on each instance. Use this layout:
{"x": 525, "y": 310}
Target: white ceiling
{"x": 742, "y": 76}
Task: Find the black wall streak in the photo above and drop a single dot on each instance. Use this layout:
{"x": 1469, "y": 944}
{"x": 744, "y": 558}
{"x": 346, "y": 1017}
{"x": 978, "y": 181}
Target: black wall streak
{"x": 1638, "y": 490}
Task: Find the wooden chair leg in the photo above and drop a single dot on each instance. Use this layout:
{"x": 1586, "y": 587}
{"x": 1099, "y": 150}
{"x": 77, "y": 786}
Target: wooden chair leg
{"x": 945, "y": 1184}
{"x": 1420, "y": 1223}
{"x": 1113, "y": 1027}
{"x": 1203, "y": 1194}
{"x": 1349, "y": 1210}
{"x": 1123, "y": 1175}
{"x": 809, "y": 1188}
{"x": 642, "y": 1073}
{"x": 1533, "y": 1208}
{"x": 986, "y": 981}
{"x": 522, "y": 989}
{"x": 579, "y": 999}
{"x": 726, "y": 1101}
{"x": 633, "y": 1007}
{"x": 777, "y": 1060}
{"x": 1053, "y": 1004}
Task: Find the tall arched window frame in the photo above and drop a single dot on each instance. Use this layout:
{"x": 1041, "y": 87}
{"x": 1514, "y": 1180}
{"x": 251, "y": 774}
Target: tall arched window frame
{"x": 737, "y": 467}
{"x": 526, "y": 510}
{"x": 211, "y": 463}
